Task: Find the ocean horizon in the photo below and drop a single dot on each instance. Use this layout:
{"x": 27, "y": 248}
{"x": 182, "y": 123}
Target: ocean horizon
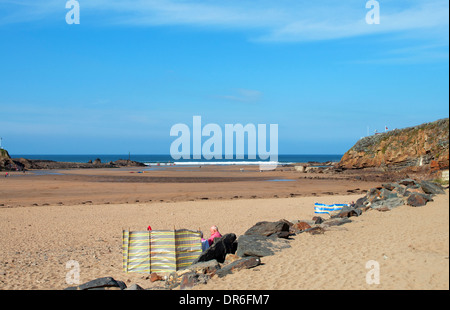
{"x": 149, "y": 159}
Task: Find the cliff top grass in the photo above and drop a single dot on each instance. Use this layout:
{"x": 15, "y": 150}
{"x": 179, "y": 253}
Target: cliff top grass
{"x": 4, "y": 153}
{"x": 439, "y": 126}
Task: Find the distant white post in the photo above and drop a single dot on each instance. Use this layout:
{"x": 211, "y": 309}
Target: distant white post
{"x": 1, "y": 143}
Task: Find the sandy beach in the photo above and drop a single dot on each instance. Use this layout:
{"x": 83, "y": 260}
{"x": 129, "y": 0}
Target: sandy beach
{"x": 155, "y": 184}
{"x": 49, "y": 220}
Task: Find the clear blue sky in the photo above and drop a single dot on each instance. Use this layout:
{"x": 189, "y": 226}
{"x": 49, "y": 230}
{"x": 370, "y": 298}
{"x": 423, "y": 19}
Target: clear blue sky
{"x": 120, "y": 79}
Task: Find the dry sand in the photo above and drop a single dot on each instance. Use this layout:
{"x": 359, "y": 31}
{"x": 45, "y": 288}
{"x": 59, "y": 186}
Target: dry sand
{"x": 410, "y": 244}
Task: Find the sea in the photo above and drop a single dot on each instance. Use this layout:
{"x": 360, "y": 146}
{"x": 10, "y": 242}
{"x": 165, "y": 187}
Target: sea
{"x": 162, "y": 160}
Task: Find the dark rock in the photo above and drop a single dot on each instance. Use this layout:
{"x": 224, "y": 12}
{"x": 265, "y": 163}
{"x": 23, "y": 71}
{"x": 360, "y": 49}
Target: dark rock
{"x": 317, "y": 230}
{"x": 348, "y": 212}
{"x": 418, "y": 200}
{"x": 244, "y": 263}
{"x": 219, "y": 249}
{"x": 379, "y": 193}
{"x": 361, "y": 202}
{"x": 300, "y": 226}
{"x": 128, "y": 163}
{"x": 254, "y": 245}
{"x": 287, "y": 222}
{"x": 189, "y": 280}
{"x": 335, "y": 222}
{"x": 431, "y": 188}
{"x": 207, "y": 267}
{"x": 400, "y": 190}
{"x": 284, "y": 234}
{"x": 317, "y": 220}
{"x": 390, "y": 186}
{"x": 280, "y": 229}
{"x": 387, "y": 194}
{"x": 100, "y": 284}
{"x": 407, "y": 182}
{"x": 388, "y": 204}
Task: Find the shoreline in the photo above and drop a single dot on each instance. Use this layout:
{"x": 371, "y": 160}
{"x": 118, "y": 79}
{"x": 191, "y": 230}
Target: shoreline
{"x": 40, "y": 162}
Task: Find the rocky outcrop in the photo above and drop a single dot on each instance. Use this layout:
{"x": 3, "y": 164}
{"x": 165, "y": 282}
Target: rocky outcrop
{"x": 419, "y": 146}
{"x": 260, "y": 246}
{"x": 405, "y": 192}
{"x": 4, "y": 154}
{"x": 13, "y": 164}
{"x": 6, "y": 163}
{"x": 219, "y": 249}
{"x": 266, "y": 229}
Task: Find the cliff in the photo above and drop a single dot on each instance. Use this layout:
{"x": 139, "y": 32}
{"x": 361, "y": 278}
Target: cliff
{"x": 4, "y": 154}
{"x": 425, "y": 145}
{"x": 5, "y": 159}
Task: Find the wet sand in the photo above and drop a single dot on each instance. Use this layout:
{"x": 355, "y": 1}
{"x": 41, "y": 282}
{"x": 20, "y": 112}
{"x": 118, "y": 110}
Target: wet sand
{"x": 155, "y": 184}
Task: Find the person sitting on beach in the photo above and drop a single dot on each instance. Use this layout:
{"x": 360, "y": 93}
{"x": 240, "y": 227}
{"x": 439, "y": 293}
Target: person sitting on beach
{"x": 149, "y": 228}
{"x": 214, "y": 234}
{"x": 205, "y": 243}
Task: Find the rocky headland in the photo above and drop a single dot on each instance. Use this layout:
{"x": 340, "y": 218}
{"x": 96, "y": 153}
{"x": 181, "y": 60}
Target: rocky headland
{"x": 423, "y": 147}
{"x": 20, "y": 164}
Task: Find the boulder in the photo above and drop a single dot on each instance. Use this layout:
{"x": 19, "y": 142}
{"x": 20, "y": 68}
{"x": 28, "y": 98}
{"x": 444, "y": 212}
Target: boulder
{"x": 317, "y": 230}
{"x": 335, "y": 222}
{"x": 259, "y": 246}
{"x": 418, "y": 200}
{"x": 407, "y": 182}
{"x": 400, "y": 190}
{"x": 219, "y": 249}
{"x": 361, "y": 202}
{"x": 244, "y": 263}
{"x": 379, "y": 193}
{"x": 392, "y": 195}
{"x": 207, "y": 267}
{"x": 266, "y": 229}
{"x": 413, "y": 189}
{"x": 300, "y": 226}
{"x": 317, "y": 220}
{"x": 387, "y": 204}
{"x": 390, "y": 186}
{"x": 191, "y": 279}
{"x": 349, "y": 212}
{"x": 431, "y": 188}
{"x": 100, "y": 284}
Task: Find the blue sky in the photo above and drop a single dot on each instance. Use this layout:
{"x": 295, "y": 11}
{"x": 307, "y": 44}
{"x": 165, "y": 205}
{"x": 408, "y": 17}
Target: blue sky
{"x": 118, "y": 81}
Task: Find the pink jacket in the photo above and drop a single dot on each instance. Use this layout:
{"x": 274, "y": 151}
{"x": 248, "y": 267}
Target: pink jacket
{"x": 214, "y": 235}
